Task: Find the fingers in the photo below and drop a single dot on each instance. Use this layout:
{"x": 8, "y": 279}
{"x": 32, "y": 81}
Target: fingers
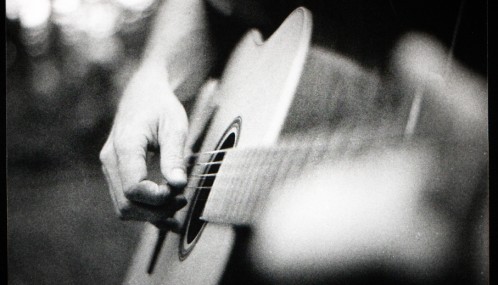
{"x": 172, "y": 224}
{"x": 149, "y": 116}
{"x": 155, "y": 215}
{"x": 110, "y": 169}
{"x": 172, "y": 137}
{"x": 141, "y": 200}
{"x": 130, "y": 151}
{"x": 148, "y": 192}
{"x": 169, "y": 224}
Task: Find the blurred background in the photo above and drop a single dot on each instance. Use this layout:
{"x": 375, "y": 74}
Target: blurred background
{"x": 67, "y": 62}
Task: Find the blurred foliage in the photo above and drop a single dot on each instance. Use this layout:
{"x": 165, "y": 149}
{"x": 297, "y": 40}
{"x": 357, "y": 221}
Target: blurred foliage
{"x": 67, "y": 62}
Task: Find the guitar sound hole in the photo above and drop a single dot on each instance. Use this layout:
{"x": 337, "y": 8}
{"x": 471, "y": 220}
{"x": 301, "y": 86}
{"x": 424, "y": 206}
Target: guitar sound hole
{"x": 202, "y": 194}
{"x": 195, "y": 225}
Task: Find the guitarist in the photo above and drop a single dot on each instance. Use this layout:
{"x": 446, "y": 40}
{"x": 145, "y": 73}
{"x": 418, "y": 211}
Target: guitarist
{"x": 191, "y": 40}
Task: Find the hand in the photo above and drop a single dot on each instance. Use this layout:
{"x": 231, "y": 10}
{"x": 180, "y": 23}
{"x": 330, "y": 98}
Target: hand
{"x": 409, "y": 211}
{"x": 149, "y": 116}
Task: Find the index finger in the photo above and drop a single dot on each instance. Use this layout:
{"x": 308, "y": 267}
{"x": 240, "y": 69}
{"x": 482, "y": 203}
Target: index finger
{"x": 132, "y": 167}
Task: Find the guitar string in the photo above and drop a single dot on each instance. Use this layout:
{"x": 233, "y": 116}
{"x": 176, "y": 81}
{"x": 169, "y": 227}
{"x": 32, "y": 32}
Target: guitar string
{"x": 284, "y": 149}
{"x": 304, "y": 158}
{"x": 295, "y": 146}
{"x": 308, "y": 149}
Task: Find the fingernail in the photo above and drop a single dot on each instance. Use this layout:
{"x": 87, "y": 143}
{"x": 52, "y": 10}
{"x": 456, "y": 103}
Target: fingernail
{"x": 177, "y": 177}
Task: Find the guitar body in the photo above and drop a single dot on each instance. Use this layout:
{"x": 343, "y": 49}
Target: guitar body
{"x": 274, "y": 91}
{"x": 256, "y": 92}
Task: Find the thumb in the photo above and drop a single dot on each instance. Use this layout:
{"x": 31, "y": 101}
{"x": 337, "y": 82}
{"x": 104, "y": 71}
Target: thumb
{"x": 172, "y": 136}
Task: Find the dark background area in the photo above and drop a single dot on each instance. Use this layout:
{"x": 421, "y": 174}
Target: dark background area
{"x": 67, "y": 62}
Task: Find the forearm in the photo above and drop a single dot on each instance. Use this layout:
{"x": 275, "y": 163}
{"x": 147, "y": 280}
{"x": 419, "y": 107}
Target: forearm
{"x": 180, "y": 45}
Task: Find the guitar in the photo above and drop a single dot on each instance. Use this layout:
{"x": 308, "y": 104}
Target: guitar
{"x": 282, "y": 108}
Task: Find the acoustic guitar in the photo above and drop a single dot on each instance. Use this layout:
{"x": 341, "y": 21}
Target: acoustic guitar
{"x": 282, "y": 108}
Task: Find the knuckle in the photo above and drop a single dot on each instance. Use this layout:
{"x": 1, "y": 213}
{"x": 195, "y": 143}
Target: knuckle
{"x": 176, "y": 118}
{"x": 180, "y": 134}
{"x": 125, "y": 144}
{"x": 105, "y": 155}
{"x": 171, "y": 158}
{"x": 124, "y": 147}
{"x": 180, "y": 123}
{"x": 173, "y": 133}
{"x": 158, "y": 196}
